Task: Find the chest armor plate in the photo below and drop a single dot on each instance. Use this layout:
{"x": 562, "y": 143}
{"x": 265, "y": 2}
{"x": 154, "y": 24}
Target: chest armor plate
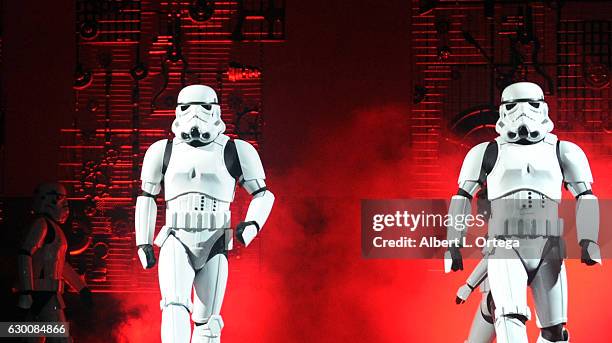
{"x": 48, "y": 261}
{"x": 531, "y": 167}
{"x": 198, "y": 170}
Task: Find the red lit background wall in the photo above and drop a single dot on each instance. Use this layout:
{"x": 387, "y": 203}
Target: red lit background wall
{"x": 466, "y": 52}
{"x": 132, "y": 59}
{"x": 360, "y": 99}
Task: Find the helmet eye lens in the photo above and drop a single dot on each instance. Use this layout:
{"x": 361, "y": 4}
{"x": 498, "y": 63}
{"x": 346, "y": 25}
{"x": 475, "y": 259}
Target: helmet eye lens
{"x": 535, "y": 104}
{"x": 205, "y": 105}
{"x": 510, "y": 106}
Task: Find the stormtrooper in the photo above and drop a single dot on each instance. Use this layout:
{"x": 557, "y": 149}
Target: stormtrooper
{"x": 42, "y": 265}
{"x": 482, "y": 329}
{"x": 524, "y": 169}
{"x": 199, "y": 168}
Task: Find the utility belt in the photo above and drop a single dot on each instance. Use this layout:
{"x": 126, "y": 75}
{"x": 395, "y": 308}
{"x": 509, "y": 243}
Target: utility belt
{"x": 525, "y": 214}
{"x": 526, "y": 227}
{"x": 197, "y": 220}
{"x": 201, "y": 235}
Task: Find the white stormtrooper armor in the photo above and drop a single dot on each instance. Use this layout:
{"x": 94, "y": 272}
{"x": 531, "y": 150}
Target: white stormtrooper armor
{"x": 482, "y": 329}
{"x": 199, "y": 169}
{"x": 524, "y": 169}
{"x": 523, "y": 114}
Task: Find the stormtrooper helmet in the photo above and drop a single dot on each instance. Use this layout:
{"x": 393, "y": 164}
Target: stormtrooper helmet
{"x": 50, "y": 200}
{"x": 523, "y": 114}
{"x": 198, "y": 115}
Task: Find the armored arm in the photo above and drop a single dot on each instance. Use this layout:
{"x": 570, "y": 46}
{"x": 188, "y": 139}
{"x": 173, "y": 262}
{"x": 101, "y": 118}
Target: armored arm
{"x": 474, "y": 280}
{"x": 578, "y": 179}
{"x": 252, "y": 180}
{"x": 34, "y": 241}
{"x": 146, "y": 208}
{"x": 72, "y": 278}
{"x": 471, "y": 177}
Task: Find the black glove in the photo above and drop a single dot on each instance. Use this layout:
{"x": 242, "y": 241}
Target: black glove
{"x": 463, "y": 293}
{"x": 150, "y": 255}
{"x": 240, "y": 230}
{"x": 456, "y": 258}
{"x": 86, "y": 296}
{"x": 586, "y": 257}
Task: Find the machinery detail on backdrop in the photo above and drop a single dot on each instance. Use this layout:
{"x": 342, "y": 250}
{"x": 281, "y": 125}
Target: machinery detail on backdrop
{"x": 466, "y": 52}
{"x": 133, "y": 57}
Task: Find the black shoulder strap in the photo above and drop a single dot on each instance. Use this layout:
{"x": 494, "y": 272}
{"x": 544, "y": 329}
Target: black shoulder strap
{"x": 561, "y": 164}
{"x": 232, "y": 162}
{"x": 559, "y": 155}
{"x": 167, "y": 154}
{"x": 488, "y": 161}
{"x": 50, "y": 234}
